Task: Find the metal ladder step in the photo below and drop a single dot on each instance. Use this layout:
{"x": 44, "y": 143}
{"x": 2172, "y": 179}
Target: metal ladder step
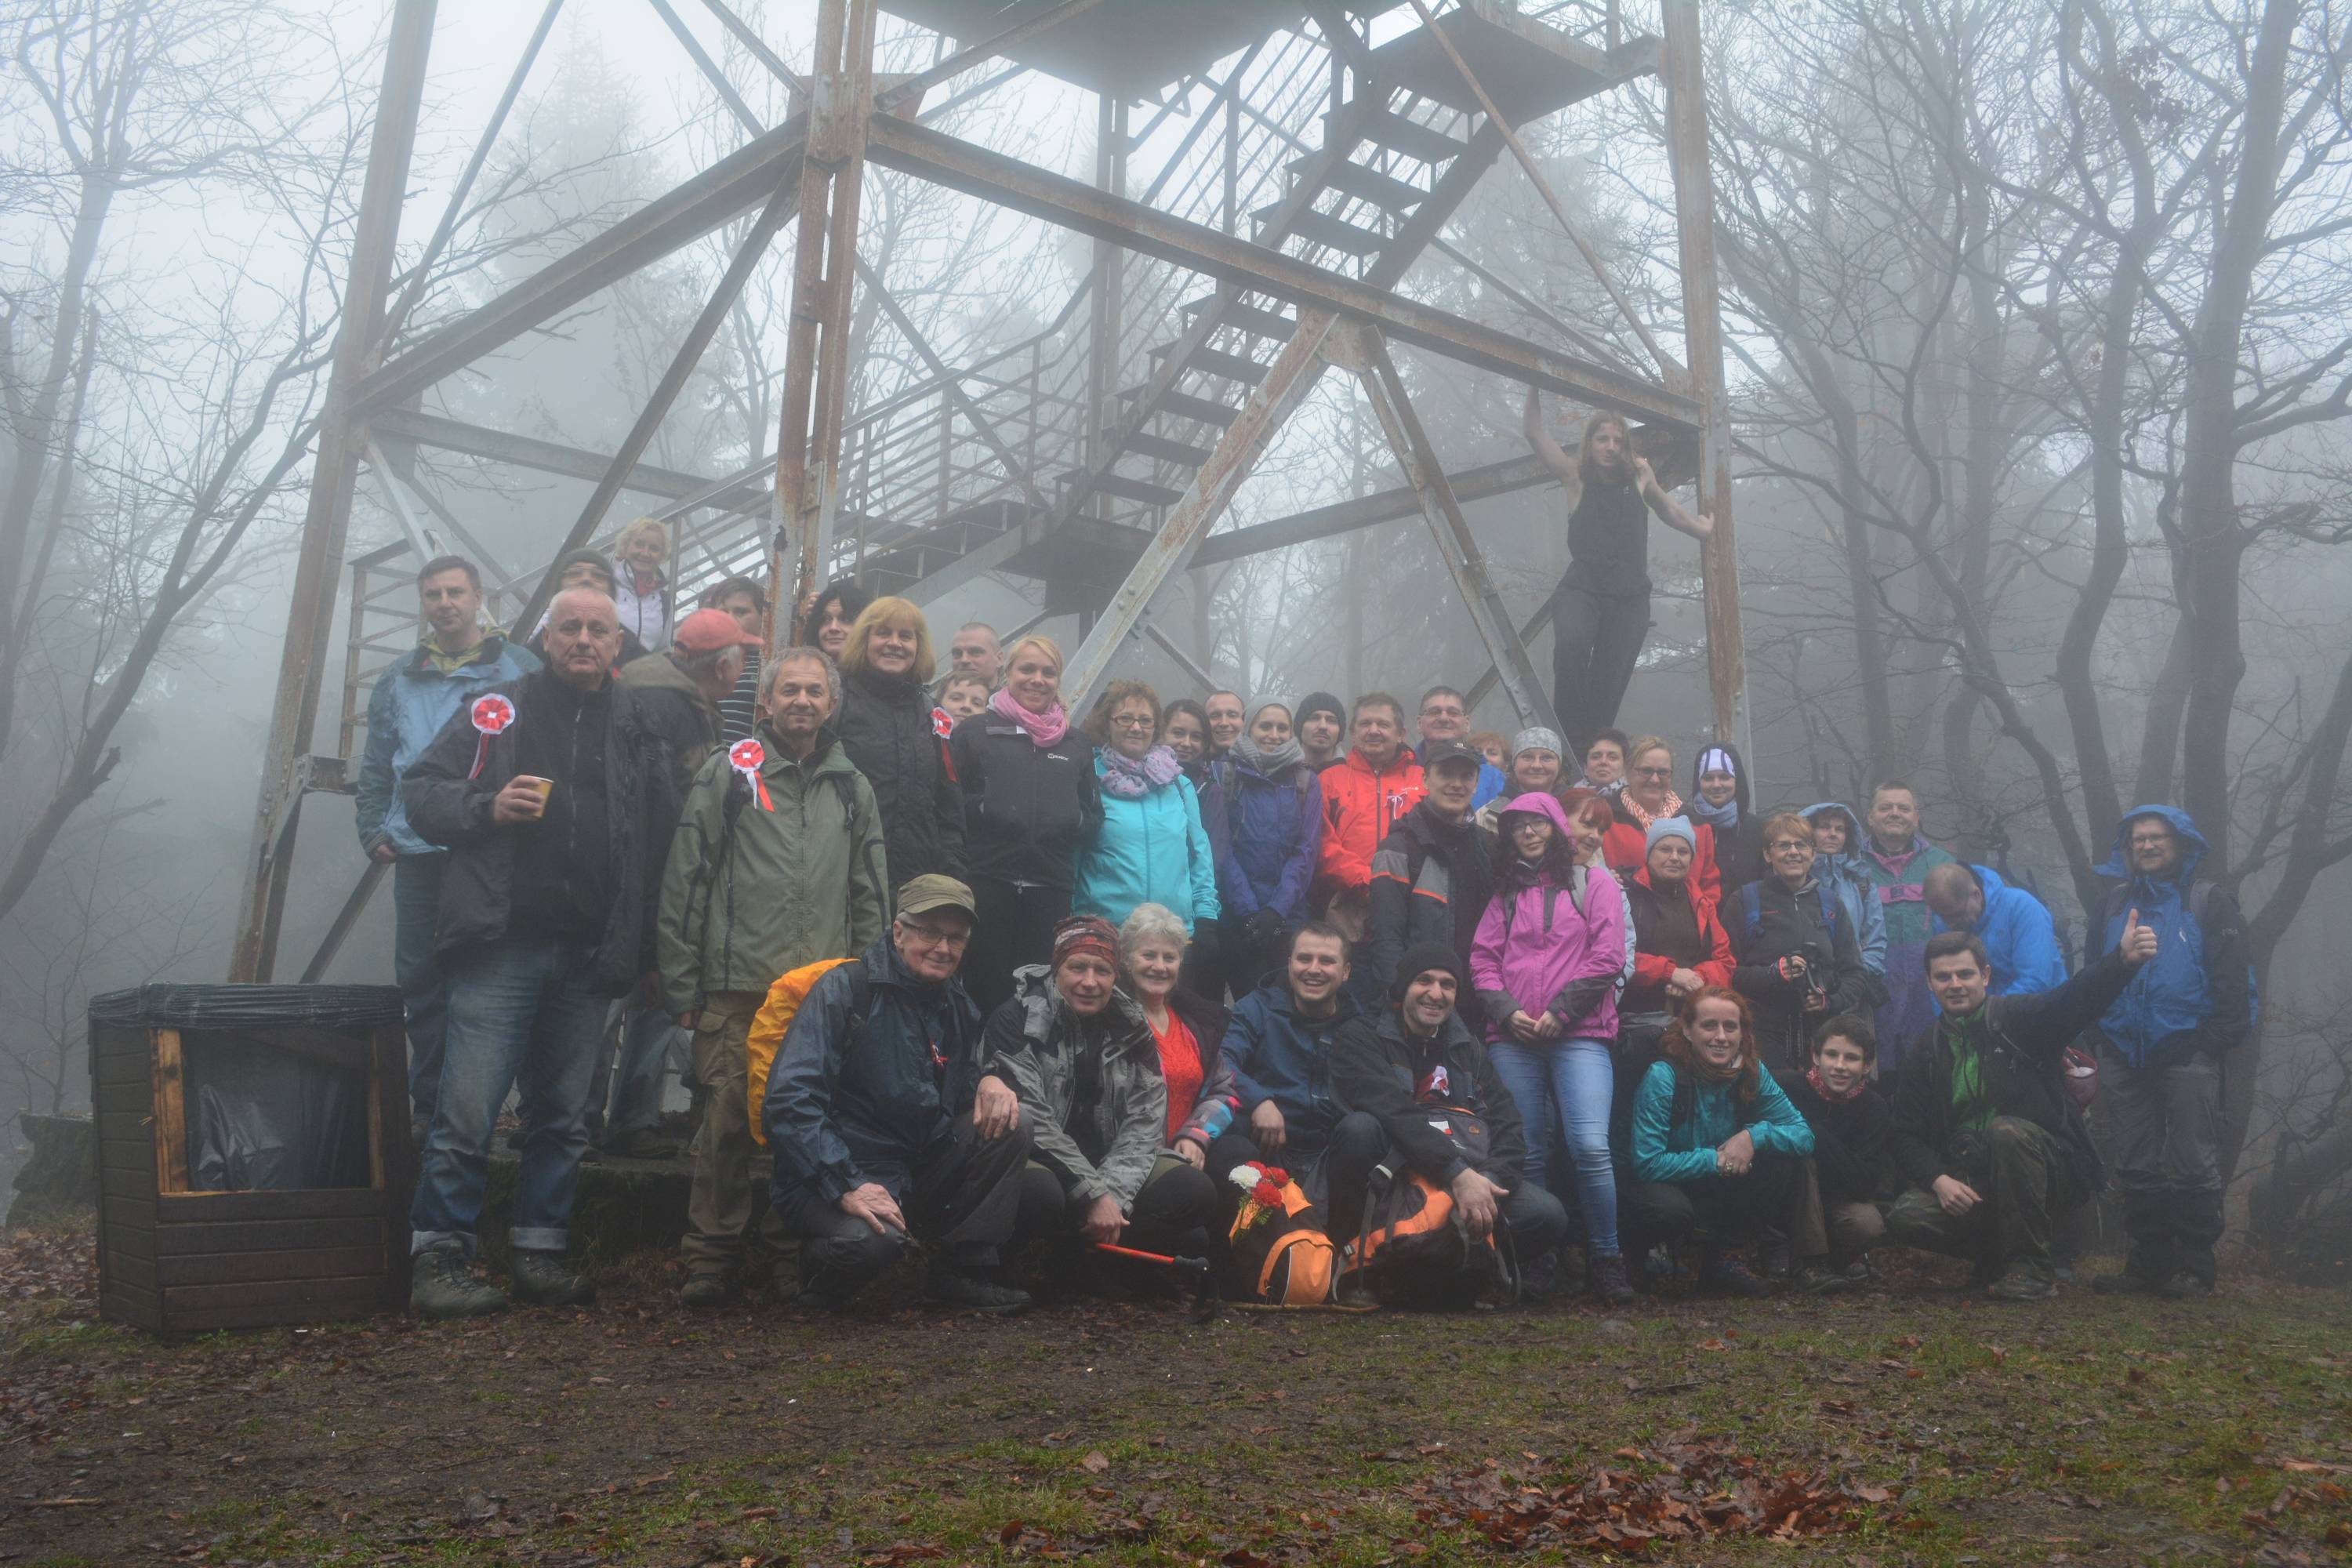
{"x": 1217, "y": 362}
{"x": 1115, "y": 483}
{"x": 1410, "y": 137}
{"x": 1183, "y": 405}
{"x": 1322, "y": 229}
{"x": 1168, "y": 451}
{"x": 1384, "y": 191}
{"x": 1251, "y": 318}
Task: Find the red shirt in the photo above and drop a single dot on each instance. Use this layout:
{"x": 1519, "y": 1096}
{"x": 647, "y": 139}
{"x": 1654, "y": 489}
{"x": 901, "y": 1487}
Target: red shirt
{"x": 1180, "y": 1063}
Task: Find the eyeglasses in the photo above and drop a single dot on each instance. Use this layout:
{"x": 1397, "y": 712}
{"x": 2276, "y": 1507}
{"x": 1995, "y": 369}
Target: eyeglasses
{"x": 932, "y": 936}
{"x": 1653, "y": 773}
{"x": 1782, "y": 846}
{"x": 2150, "y": 840}
{"x": 1131, "y": 721}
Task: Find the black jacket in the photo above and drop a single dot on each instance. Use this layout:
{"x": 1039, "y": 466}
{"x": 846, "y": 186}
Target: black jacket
{"x": 1431, "y": 882}
{"x": 1028, "y": 810}
{"x": 885, "y": 725}
{"x": 1377, "y": 1070}
{"x": 1790, "y": 925}
{"x": 2024, "y": 1047}
{"x": 1852, "y": 1139}
{"x": 640, "y": 807}
{"x": 849, "y": 1104}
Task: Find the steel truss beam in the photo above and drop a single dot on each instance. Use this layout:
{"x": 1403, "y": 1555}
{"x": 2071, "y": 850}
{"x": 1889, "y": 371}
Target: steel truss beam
{"x": 1007, "y": 182}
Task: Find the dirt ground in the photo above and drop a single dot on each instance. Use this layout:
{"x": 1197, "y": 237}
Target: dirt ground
{"x": 1915, "y": 1428}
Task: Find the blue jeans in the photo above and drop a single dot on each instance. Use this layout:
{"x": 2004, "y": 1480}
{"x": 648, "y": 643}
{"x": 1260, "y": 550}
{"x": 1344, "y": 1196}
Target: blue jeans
{"x": 636, "y": 1101}
{"x": 1563, "y": 1090}
{"x": 415, "y": 911}
{"x": 523, "y": 1011}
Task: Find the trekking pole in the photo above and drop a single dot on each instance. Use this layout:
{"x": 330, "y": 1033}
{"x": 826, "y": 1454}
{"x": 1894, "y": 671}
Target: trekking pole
{"x": 1194, "y": 1271}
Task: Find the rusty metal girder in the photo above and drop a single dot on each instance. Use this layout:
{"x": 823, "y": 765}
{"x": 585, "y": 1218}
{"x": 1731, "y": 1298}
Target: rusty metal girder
{"x": 1007, "y": 182}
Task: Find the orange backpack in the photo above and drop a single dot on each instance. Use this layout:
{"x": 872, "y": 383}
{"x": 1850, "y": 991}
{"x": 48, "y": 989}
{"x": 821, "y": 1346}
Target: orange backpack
{"x": 775, "y": 1016}
{"x": 1280, "y": 1254}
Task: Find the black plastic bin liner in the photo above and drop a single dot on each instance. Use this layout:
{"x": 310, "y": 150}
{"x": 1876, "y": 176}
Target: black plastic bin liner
{"x": 264, "y": 1114}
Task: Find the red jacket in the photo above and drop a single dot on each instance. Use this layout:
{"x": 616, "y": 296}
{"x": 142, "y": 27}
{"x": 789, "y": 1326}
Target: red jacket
{"x": 1360, "y": 806}
{"x": 1626, "y": 848}
{"x": 1646, "y": 992}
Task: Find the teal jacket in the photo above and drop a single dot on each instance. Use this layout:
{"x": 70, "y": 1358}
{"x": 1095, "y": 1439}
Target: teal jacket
{"x": 1149, "y": 850}
{"x": 1667, "y": 1148}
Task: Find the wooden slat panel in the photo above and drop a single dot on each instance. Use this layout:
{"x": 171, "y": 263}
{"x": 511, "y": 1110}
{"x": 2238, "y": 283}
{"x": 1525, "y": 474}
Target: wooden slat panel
{"x": 126, "y": 1168}
{"x": 128, "y": 1304}
{"x": 136, "y": 1212}
{"x": 170, "y": 1114}
{"x": 115, "y": 1071}
{"x": 264, "y": 1236}
{"x": 361, "y": 1291}
{"x": 137, "y": 1272}
{"x": 134, "y": 1041}
{"x": 129, "y": 1126}
{"x": 240, "y": 1267}
{"x": 291, "y": 1203}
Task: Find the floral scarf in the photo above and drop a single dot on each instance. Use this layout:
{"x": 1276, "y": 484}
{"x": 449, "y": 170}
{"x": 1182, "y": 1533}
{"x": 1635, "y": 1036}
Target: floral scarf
{"x": 1044, "y": 728}
{"x": 1132, "y": 778}
{"x": 1642, "y": 820}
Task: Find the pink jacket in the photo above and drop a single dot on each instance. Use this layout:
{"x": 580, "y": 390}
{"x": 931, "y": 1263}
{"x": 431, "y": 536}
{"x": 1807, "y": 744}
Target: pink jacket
{"x": 1548, "y": 948}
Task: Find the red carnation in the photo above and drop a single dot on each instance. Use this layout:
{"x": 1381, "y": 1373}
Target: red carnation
{"x": 1267, "y": 1194}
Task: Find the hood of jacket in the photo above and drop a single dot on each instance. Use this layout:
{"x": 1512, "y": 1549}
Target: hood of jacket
{"x": 1047, "y": 1022}
{"x": 2193, "y": 848}
{"x": 1847, "y": 862}
{"x": 1537, "y": 802}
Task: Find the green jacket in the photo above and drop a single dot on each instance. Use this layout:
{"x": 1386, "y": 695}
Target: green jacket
{"x": 801, "y": 880}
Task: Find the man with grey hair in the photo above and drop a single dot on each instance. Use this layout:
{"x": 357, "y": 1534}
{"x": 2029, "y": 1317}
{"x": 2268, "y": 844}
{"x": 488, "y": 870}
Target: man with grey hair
{"x": 778, "y": 862}
{"x": 550, "y": 792}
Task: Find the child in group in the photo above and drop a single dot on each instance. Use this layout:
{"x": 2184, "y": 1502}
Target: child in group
{"x": 963, "y": 695}
{"x": 1852, "y": 1126}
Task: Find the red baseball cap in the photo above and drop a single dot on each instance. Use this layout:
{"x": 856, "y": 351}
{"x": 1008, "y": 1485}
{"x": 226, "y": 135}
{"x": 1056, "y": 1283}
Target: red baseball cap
{"x": 708, "y": 631}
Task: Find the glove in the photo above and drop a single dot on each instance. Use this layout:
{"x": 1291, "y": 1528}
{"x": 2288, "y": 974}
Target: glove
{"x": 1788, "y": 971}
{"x": 1266, "y": 931}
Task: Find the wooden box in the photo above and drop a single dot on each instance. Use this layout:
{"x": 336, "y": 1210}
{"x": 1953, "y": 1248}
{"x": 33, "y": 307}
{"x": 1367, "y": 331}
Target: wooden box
{"x": 254, "y": 1163}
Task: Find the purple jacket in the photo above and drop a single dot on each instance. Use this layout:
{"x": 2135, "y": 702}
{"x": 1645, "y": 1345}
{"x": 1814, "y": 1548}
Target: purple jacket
{"x": 1548, "y": 948}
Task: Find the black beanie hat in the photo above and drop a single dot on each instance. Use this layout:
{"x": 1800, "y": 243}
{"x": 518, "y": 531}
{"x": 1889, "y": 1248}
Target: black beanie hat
{"x": 1320, "y": 702}
{"x": 1421, "y": 957}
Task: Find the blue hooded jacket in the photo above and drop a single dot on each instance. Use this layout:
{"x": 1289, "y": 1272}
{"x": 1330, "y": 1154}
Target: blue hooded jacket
{"x": 1150, "y": 849}
{"x": 1857, "y": 900}
{"x": 2198, "y": 990}
{"x": 1277, "y": 1055}
{"x": 2019, "y": 936}
{"x": 1274, "y": 830}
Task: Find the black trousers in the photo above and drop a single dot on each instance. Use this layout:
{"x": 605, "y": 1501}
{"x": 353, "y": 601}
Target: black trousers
{"x": 1719, "y": 1211}
{"x": 1176, "y": 1213}
{"x": 1596, "y": 640}
{"x": 1534, "y": 1219}
{"x": 1011, "y": 925}
{"x": 961, "y": 1196}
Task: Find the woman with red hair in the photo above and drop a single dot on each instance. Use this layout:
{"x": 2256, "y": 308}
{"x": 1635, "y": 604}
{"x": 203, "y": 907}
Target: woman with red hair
{"x": 1720, "y": 1154}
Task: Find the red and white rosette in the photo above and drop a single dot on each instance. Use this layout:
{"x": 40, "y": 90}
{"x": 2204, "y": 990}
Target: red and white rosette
{"x": 942, "y": 723}
{"x": 492, "y": 715}
{"x": 746, "y": 757}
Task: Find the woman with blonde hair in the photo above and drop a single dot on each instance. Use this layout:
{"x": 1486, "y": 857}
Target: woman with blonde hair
{"x": 640, "y": 586}
{"x": 1030, "y": 808}
{"x": 898, "y": 739}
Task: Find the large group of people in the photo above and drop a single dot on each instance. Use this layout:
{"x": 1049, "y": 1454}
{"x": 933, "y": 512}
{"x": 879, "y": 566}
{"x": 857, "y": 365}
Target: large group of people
{"x": 1027, "y": 995}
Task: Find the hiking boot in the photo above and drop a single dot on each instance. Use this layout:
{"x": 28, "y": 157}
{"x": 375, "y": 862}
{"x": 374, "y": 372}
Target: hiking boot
{"x": 2184, "y": 1284}
{"x": 2022, "y": 1285}
{"x": 706, "y": 1289}
{"x": 442, "y": 1284}
{"x": 1607, "y": 1279}
{"x": 1540, "y": 1282}
{"x": 2128, "y": 1283}
{"x": 639, "y": 1143}
{"x": 1862, "y": 1274}
{"x": 1814, "y": 1277}
{"x": 1730, "y": 1276}
{"x": 974, "y": 1293}
{"x": 542, "y": 1278}
{"x": 1776, "y": 1269}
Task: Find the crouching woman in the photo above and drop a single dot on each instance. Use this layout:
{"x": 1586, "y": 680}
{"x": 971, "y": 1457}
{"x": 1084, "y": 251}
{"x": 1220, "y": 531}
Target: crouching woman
{"x": 1720, "y": 1154}
{"x": 1082, "y": 1059}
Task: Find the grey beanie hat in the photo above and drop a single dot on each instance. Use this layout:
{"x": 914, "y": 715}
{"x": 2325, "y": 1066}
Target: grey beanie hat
{"x": 1536, "y": 739}
{"x": 1669, "y": 827}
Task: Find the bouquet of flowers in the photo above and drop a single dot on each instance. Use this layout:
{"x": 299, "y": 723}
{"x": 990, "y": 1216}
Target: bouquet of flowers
{"x": 1262, "y": 1187}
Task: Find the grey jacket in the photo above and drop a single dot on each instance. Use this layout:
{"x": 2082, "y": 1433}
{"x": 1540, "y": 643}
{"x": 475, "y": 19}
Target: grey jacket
{"x": 1094, "y": 1101}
